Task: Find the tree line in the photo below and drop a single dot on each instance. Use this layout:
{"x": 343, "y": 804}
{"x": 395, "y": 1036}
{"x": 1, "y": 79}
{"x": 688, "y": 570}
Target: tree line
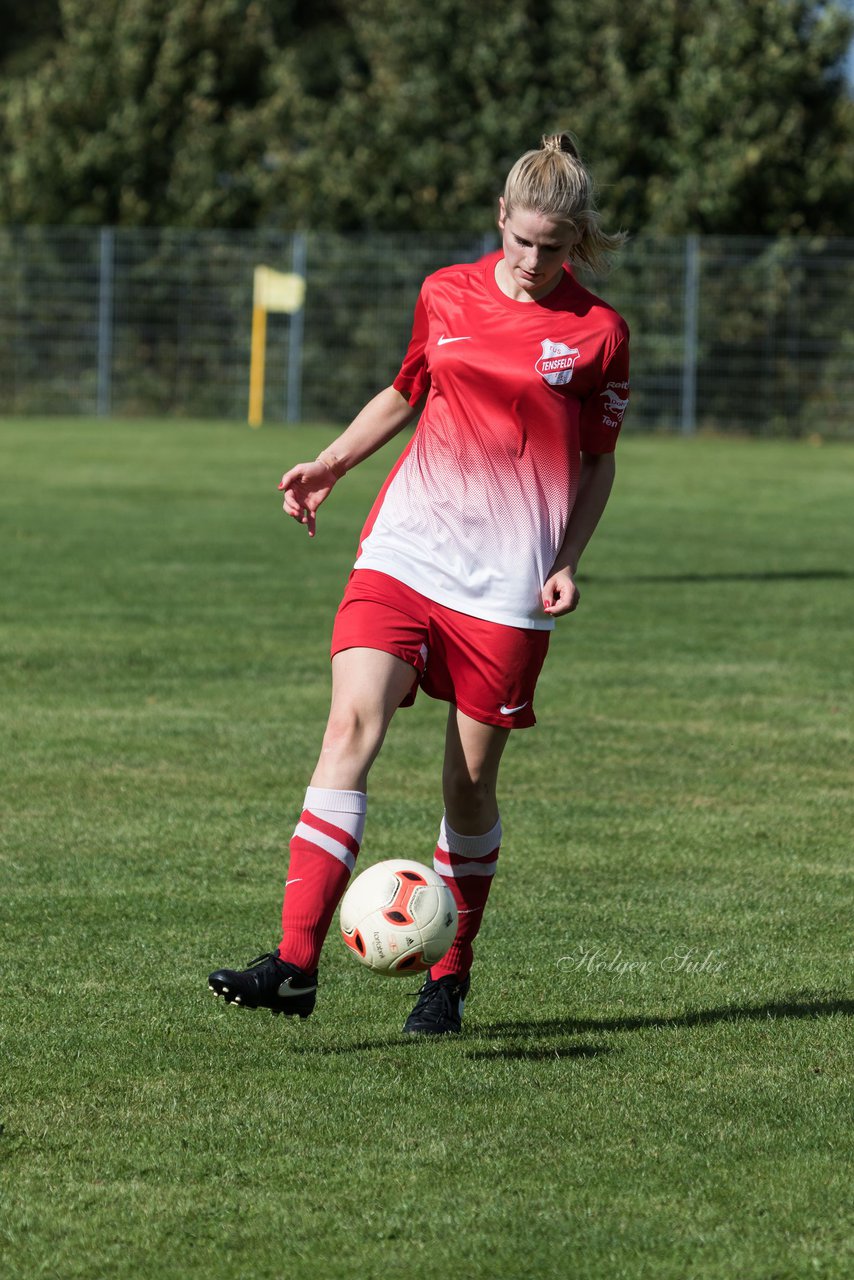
{"x": 711, "y": 116}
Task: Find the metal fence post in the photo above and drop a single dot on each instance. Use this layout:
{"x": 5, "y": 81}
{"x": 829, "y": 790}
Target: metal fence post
{"x": 691, "y": 304}
{"x": 296, "y": 334}
{"x": 105, "y": 322}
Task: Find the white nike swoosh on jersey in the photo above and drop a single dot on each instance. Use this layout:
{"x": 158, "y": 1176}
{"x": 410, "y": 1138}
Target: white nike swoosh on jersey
{"x": 296, "y": 880}
{"x": 508, "y": 711}
{"x": 443, "y": 340}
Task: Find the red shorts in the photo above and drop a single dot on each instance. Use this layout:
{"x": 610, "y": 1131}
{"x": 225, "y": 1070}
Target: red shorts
{"x": 486, "y": 669}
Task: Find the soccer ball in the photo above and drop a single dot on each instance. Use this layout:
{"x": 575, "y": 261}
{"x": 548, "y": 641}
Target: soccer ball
{"x": 398, "y": 917}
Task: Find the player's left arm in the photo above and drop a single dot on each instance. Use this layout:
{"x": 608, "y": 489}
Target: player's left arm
{"x": 601, "y": 420}
{"x": 596, "y": 479}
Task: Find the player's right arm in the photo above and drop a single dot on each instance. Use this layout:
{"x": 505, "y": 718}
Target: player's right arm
{"x": 308, "y": 484}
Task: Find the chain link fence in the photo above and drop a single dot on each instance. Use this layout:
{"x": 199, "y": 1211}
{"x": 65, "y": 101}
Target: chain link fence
{"x": 732, "y": 334}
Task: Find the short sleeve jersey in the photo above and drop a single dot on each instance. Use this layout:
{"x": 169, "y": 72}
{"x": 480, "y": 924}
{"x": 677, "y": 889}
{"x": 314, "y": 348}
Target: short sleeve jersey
{"x": 476, "y": 508}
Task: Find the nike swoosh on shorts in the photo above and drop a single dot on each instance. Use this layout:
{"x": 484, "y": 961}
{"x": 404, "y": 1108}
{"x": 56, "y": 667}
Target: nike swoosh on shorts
{"x": 508, "y": 711}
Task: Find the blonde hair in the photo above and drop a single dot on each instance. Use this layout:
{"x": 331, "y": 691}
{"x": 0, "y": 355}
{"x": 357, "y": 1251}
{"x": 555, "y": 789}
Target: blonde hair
{"x": 554, "y": 181}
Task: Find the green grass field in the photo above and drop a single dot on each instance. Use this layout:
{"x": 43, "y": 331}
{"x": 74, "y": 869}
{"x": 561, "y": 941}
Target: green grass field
{"x": 654, "y": 1080}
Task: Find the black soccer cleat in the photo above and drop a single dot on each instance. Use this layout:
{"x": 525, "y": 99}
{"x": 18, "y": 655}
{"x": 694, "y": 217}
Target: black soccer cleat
{"x": 439, "y": 1008}
{"x": 268, "y": 983}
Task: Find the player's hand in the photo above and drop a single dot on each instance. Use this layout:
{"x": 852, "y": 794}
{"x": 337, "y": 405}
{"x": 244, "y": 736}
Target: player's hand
{"x": 305, "y": 486}
{"x": 560, "y": 594}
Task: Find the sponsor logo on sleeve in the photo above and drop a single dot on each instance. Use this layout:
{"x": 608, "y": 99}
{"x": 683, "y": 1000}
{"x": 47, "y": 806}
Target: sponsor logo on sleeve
{"x": 615, "y": 404}
{"x": 557, "y": 362}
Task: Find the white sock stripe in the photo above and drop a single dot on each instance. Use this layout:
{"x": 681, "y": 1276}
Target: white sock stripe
{"x": 319, "y": 799}
{"x": 444, "y": 855}
{"x": 327, "y": 843}
{"x": 469, "y": 846}
{"x": 455, "y": 870}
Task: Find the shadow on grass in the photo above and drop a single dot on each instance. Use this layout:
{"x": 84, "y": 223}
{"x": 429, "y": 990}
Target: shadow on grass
{"x": 783, "y": 575}
{"x": 535, "y": 1053}
{"x": 800, "y": 1006}
{"x": 465, "y": 1043}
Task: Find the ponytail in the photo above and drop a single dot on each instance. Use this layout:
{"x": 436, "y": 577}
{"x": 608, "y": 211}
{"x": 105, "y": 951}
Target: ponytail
{"x": 555, "y": 181}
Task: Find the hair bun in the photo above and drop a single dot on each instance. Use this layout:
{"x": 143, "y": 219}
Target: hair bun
{"x": 560, "y": 142}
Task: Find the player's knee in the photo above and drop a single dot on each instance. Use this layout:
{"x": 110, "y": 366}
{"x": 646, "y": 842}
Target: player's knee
{"x": 352, "y": 731}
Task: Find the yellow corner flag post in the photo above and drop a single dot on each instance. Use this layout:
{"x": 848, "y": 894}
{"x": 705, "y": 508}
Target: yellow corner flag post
{"x": 272, "y": 291}
{"x": 256, "y": 366}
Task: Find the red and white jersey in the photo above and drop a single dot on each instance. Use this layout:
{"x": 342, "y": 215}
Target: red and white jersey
{"x": 475, "y": 510}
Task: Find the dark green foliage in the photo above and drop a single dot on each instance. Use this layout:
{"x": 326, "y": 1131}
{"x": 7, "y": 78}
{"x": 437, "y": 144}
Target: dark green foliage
{"x": 29, "y": 29}
{"x": 725, "y": 117}
{"x": 147, "y": 113}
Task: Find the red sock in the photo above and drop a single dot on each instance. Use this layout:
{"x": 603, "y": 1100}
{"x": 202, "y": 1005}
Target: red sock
{"x": 324, "y": 848}
{"x": 467, "y": 865}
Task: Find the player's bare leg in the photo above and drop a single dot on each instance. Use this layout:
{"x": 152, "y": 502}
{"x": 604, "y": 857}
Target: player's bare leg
{"x": 473, "y": 754}
{"x": 367, "y": 687}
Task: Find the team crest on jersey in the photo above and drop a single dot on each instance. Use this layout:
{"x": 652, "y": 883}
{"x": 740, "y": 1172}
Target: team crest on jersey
{"x": 557, "y": 362}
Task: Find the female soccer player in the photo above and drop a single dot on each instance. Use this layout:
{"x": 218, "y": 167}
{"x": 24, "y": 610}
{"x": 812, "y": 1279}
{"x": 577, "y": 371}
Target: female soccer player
{"x": 520, "y": 377}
